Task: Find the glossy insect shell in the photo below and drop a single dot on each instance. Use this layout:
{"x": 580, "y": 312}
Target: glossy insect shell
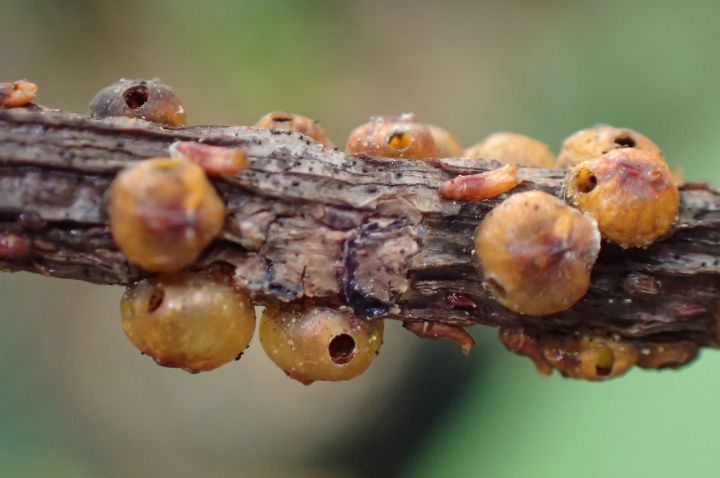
{"x": 279, "y": 120}
{"x": 319, "y": 343}
{"x": 592, "y": 142}
{"x": 632, "y": 195}
{"x": 196, "y": 321}
{"x": 513, "y": 148}
{"x": 393, "y": 137}
{"x": 535, "y": 253}
{"x": 163, "y": 212}
{"x": 150, "y": 100}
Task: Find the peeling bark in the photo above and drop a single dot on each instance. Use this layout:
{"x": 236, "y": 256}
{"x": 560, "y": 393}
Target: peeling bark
{"x": 370, "y": 233}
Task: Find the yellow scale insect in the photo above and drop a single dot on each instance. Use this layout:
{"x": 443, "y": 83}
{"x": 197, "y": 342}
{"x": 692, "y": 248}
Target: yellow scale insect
{"x": 312, "y": 343}
{"x": 163, "y": 213}
{"x": 196, "y": 321}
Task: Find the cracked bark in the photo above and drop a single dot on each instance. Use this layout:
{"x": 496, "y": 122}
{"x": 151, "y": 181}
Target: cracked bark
{"x": 371, "y": 233}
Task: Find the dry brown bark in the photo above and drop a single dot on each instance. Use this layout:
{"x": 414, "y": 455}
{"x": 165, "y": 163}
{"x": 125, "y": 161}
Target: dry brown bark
{"x": 371, "y": 233}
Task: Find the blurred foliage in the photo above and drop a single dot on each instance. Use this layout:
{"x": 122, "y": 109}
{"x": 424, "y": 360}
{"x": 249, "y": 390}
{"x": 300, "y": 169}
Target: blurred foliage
{"x": 75, "y": 398}
{"x": 515, "y": 422}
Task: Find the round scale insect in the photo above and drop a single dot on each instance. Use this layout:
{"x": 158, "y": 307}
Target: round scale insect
{"x": 319, "y": 343}
{"x": 446, "y": 145}
{"x": 196, "y": 321}
{"x": 292, "y": 122}
{"x": 592, "y": 142}
{"x": 513, "y": 148}
{"x": 536, "y": 253}
{"x": 393, "y": 137}
{"x": 590, "y": 358}
{"x": 150, "y": 100}
{"x": 633, "y": 197}
{"x": 214, "y": 160}
{"x": 163, "y": 212}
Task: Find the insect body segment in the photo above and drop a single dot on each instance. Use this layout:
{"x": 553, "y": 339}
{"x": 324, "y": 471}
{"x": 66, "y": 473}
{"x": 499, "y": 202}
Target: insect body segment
{"x": 215, "y": 160}
{"x": 17, "y": 93}
{"x": 432, "y": 330}
{"x": 476, "y": 187}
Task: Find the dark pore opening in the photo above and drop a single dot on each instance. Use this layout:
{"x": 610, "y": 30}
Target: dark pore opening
{"x": 602, "y": 371}
{"x": 625, "y": 142}
{"x": 399, "y": 140}
{"x": 585, "y": 181}
{"x": 342, "y": 349}
{"x": 605, "y": 362}
{"x": 281, "y": 117}
{"x": 136, "y": 96}
{"x": 156, "y": 299}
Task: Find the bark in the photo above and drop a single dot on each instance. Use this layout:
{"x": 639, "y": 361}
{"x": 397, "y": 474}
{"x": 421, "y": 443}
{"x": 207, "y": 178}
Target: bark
{"x": 313, "y": 224}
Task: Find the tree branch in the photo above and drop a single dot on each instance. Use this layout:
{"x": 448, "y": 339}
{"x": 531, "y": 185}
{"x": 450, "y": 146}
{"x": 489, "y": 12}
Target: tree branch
{"x": 370, "y": 233}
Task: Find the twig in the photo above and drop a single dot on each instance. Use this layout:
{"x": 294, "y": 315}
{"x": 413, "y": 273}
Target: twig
{"x": 371, "y": 233}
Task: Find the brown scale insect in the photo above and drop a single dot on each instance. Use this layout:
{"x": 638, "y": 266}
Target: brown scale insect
{"x": 16, "y": 94}
{"x": 400, "y": 137}
{"x": 633, "y": 197}
{"x": 585, "y": 357}
{"x": 163, "y": 212}
{"x": 150, "y": 100}
{"x": 292, "y": 122}
{"x": 215, "y": 160}
{"x": 589, "y": 358}
{"x": 600, "y": 139}
{"x": 594, "y": 358}
{"x": 312, "y": 343}
{"x": 535, "y": 253}
{"x": 514, "y": 148}
{"x": 196, "y": 321}
{"x": 477, "y": 187}
{"x": 435, "y": 330}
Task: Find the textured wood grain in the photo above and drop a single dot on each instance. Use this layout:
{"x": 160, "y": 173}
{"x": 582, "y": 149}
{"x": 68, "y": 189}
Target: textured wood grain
{"x": 309, "y": 223}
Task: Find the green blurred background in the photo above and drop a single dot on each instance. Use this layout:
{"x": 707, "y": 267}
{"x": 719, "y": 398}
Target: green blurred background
{"x": 76, "y": 400}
